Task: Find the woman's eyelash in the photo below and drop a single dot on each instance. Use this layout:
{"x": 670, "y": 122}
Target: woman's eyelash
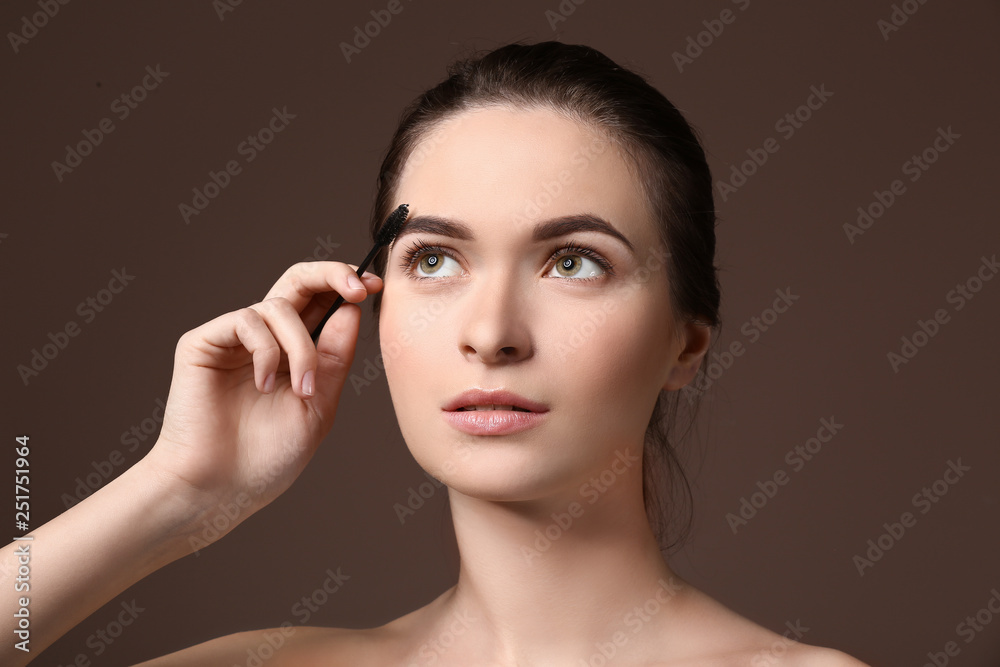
{"x": 418, "y": 248}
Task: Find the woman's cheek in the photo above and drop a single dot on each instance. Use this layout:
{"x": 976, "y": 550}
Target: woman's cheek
{"x": 395, "y": 341}
{"x": 411, "y": 342}
{"x": 617, "y": 345}
{"x": 587, "y": 334}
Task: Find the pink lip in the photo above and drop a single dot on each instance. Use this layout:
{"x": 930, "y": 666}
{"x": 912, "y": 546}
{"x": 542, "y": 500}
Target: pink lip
{"x": 493, "y": 422}
{"x": 494, "y": 397}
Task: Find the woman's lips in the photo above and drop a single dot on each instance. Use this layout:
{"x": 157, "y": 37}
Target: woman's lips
{"x": 493, "y": 422}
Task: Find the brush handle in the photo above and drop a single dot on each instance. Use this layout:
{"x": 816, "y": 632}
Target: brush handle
{"x": 340, "y": 299}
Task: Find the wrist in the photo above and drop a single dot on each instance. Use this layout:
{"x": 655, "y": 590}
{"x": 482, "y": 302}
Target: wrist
{"x": 190, "y": 518}
{"x": 179, "y": 512}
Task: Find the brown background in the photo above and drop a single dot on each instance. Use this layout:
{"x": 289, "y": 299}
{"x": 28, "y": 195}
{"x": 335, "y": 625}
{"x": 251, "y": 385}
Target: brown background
{"x": 825, "y": 357}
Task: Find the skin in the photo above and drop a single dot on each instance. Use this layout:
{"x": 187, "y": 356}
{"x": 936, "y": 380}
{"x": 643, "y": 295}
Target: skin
{"x": 252, "y": 397}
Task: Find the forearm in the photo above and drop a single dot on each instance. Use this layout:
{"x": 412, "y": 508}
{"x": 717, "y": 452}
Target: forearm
{"x": 87, "y": 555}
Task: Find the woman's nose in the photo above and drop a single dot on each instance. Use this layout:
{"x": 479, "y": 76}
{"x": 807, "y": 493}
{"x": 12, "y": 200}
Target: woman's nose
{"x": 494, "y": 326}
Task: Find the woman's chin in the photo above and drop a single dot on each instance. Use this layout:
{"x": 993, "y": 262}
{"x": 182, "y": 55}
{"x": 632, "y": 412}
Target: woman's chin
{"x": 504, "y": 480}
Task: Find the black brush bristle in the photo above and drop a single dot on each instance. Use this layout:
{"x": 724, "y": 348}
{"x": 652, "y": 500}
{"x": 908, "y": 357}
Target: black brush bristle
{"x": 392, "y": 225}
{"x": 384, "y": 237}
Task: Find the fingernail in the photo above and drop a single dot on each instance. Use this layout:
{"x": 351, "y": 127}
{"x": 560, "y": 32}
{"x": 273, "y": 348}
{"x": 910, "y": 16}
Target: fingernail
{"x": 307, "y": 383}
{"x": 368, "y": 274}
{"x": 354, "y": 282}
{"x": 269, "y": 383}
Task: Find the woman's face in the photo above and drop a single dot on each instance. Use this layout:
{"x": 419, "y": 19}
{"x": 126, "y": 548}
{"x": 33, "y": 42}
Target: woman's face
{"x": 593, "y": 344}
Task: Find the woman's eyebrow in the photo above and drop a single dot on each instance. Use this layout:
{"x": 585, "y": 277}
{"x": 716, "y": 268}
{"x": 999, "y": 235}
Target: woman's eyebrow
{"x": 548, "y": 229}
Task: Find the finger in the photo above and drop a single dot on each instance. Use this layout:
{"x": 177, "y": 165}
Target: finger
{"x": 310, "y": 279}
{"x": 225, "y": 341}
{"x": 317, "y": 309}
{"x": 287, "y": 328}
{"x": 371, "y": 281}
{"x": 302, "y": 281}
{"x": 335, "y": 350}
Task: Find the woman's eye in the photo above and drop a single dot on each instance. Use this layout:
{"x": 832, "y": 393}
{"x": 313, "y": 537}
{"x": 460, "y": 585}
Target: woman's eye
{"x": 576, "y": 266}
{"x": 424, "y": 262}
{"x": 431, "y": 264}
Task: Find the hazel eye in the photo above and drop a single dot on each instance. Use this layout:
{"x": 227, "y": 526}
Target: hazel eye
{"x": 430, "y": 264}
{"x": 576, "y": 261}
{"x": 576, "y": 266}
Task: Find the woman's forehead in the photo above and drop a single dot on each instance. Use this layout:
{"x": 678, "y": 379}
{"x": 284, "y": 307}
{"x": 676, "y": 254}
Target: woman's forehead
{"x": 519, "y": 165}
{"x": 499, "y": 132}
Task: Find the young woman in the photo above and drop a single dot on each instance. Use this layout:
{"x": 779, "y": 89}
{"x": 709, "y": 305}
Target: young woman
{"x": 551, "y": 292}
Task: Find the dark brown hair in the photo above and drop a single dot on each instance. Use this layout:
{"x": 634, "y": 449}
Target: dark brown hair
{"x": 665, "y": 156}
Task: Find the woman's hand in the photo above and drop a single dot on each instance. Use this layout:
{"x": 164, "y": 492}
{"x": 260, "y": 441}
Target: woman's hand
{"x": 252, "y": 397}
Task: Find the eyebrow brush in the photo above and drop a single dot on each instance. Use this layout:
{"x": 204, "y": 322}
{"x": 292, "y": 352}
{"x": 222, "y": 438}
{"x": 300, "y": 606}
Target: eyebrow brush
{"x": 385, "y": 236}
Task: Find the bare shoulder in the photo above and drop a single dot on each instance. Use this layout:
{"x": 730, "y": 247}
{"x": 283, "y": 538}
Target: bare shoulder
{"x": 737, "y": 641}
{"x": 292, "y": 645}
{"x": 781, "y": 652}
{"x": 816, "y": 656}
{"x": 284, "y": 646}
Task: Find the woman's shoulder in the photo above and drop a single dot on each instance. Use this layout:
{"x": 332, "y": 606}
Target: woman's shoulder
{"x": 283, "y": 646}
{"x": 291, "y": 645}
{"x": 800, "y": 655}
{"x": 771, "y": 653}
{"x": 740, "y": 642}
{"x": 804, "y": 655}
{"x": 767, "y": 648}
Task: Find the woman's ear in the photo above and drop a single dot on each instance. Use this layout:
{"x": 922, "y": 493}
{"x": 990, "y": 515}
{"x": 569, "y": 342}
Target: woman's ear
{"x": 692, "y": 344}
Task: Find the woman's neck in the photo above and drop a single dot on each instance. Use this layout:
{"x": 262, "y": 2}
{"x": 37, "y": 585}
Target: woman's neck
{"x": 562, "y": 580}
